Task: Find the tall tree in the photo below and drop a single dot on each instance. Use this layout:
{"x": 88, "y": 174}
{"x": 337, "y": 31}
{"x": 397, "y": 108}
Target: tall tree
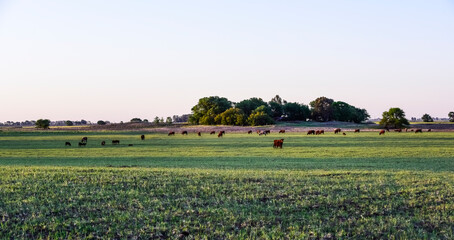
{"x": 251, "y": 104}
{"x": 345, "y": 112}
{"x": 451, "y": 116}
{"x": 322, "y": 109}
{"x": 42, "y": 123}
{"x": 394, "y": 118}
{"x": 277, "y": 106}
{"x": 427, "y": 118}
{"x": 207, "y": 109}
{"x": 296, "y": 112}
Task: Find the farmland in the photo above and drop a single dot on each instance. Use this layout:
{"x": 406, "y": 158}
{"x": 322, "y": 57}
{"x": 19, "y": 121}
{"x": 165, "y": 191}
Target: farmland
{"x": 400, "y": 185}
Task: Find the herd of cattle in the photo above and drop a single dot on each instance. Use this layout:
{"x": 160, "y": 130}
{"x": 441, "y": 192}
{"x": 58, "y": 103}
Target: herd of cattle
{"x": 277, "y": 143}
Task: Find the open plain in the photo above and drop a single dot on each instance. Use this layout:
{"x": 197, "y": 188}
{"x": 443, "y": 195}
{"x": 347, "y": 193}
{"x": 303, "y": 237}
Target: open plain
{"x": 331, "y": 186}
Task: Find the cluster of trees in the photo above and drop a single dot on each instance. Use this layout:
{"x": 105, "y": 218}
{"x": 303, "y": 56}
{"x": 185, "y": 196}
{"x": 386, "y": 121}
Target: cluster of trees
{"x": 156, "y": 120}
{"x": 254, "y": 111}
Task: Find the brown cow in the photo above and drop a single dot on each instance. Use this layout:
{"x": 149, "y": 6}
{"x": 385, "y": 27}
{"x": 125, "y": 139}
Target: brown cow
{"x": 249, "y": 132}
{"x": 419, "y": 130}
{"x": 382, "y": 132}
{"x": 115, "y": 142}
{"x": 262, "y": 133}
{"x": 311, "y": 132}
{"x": 267, "y": 131}
{"x": 282, "y": 131}
{"x": 142, "y": 137}
{"x": 430, "y": 130}
{"x": 322, "y": 132}
{"x": 337, "y": 130}
{"x": 82, "y": 144}
{"x": 103, "y": 143}
{"x": 67, "y": 144}
{"x": 220, "y": 134}
{"x": 398, "y": 130}
{"x": 184, "y": 133}
{"x": 344, "y": 134}
{"x": 212, "y": 132}
{"x": 171, "y": 133}
{"x": 199, "y": 134}
{"x": 357, "y": 130}
{"x": 278, "y": 143}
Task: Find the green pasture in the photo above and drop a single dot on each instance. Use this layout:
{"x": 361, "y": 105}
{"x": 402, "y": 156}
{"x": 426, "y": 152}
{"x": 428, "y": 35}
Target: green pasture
{"x": 361, "y": 186}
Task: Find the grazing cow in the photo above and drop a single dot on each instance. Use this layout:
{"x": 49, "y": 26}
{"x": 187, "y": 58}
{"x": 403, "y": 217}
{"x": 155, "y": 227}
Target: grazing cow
{"x": 84, "y": 139}
{"x": 419, "y": 130}
{"x": 318, "y": 132}
{"x": 142, "y": 137}
{"x": 199, "y": 134}
{"x": 212, "y": 132}
{"x": 267, "y": 131}
{"x": 220, "y": 134}
{"x": 337, "y": 130}
{"x": 114, "y": 142}
{"x": 311, "y": 132}
{"x": 344, "y": 134}
{"x": 249, "y": 132}
{"x": 357, "y": 130}
{"x": 103, "y": 143}
{"x": 171, "y": 133}
{"x": 282, "y": 131}
{"x": 430, "y": 130}
{"x": 82, "y": 144}
{"x": 67, "y": 144}
{"x": 278, "y": 143}
{"x": 382, "y": 132}
{"x": 262, "y": 133}
{"x": 184, "y": 133}
{"x": 322, "y": 132}
{"x": 398, "y": 130}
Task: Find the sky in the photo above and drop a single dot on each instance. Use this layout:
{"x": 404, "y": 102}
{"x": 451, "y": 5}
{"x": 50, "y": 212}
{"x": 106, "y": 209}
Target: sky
{"x": 116, "y": 60}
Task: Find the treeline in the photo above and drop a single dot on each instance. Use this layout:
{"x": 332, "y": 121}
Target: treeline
{"x": 254, "y": 111}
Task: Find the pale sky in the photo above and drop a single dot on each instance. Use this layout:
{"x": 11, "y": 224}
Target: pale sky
{"x": 115, "y": 60}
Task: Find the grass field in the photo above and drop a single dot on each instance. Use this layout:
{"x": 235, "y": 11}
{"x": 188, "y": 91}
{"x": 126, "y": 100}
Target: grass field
{"x": 397, "y": 186}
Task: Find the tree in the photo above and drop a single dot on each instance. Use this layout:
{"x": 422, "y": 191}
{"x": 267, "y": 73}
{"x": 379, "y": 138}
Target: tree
{"x": 394, "y": 118}
{"x": 259, "y": 117}
{"x": 207, "y": 109}
{"x": 101, "y": 122}
{"x": 276, "y": 106}
{"x": 145, "y": 120}
{"x": 83, "y": 122}
{"x": 345, "y": 112}
{"x": 451, "y": 116}
{"x": 136, "y": 120}
{"x": 169, "y": 120}
{"x": 427, "y": 118}
{"x": 231, "y": 116}
{"x": 156, "y": 120}
{"x": 42, "y": 123}
{"x": 322, "y": 110}
{"x": 69, "y": 123}
{"x": 294, "y": 111}
{"x": 249, "y": 105}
